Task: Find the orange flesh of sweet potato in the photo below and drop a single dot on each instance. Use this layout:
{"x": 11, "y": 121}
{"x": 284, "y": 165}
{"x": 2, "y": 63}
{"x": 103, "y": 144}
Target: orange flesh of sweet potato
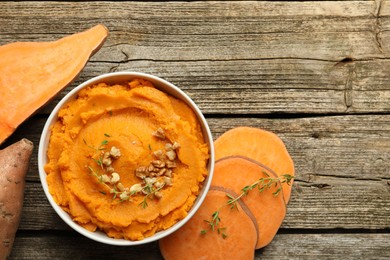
{"x": 189, "y": 243}
{"x": 235, "y": 173}
{"x": 260, "y": 145}
{"x": 32, "y": 73}
{"x": 14, "y": 162}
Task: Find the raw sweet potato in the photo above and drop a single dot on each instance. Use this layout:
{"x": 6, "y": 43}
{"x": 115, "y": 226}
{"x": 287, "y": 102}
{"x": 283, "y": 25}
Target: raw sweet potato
{"x": 14, "y": 162}
{"x": 269, "y": 210}
{"x": 189, "y": 243}
{"x": 32, "y": 73}
{"x": 260, "y": 145}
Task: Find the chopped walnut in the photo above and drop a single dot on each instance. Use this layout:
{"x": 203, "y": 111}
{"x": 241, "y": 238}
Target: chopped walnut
{"x": 168, "y": 173}
{"x": 170, "y": 164}
{"x": 110, "y": 169}
{"x": 136, "y": 188}
{"x": 115, "y": 152}
{"x": 158, "y": 163}
{"x": 175, "y": 145}
{"x": 159, "y": 133}
{"x": 158, "y": 194}
{"x": 159, "y": 154}
{"x": 150, "y": 168}
{"x": 106, "y": 159}
{"x": 161, "y": 172}
{"x": 168, "y": 146}
{"x": 168, "y": 181}
{"x": 104, "y": 178}
{"x": 124, "y": 196}
{"x": 141, "y": 171}
{"x": 150, "y": 181}
{"x": 115, "y": 177}
{"x": 120, "y": 186}
{"x": 159, "y": 184}
{"x": 171, "y": 155}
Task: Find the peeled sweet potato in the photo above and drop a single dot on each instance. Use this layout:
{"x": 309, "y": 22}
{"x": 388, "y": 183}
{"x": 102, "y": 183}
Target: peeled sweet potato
{"x": 234, "y": 173}
{"x": 32, "y": 73}
{"x": 189, "y": 243}
{"x": 14, "y": 162}
{"x": 260, "y": 145}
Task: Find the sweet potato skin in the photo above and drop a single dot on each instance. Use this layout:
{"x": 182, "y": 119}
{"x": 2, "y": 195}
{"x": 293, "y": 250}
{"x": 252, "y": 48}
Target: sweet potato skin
{"x": 14, "y": 162}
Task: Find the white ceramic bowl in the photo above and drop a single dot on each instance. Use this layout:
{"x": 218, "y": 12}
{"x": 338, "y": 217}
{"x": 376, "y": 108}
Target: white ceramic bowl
{"x": 166, "y": 87}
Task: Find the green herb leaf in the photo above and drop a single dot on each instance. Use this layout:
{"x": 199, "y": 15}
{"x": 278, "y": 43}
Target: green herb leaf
{"x": 275, "y": 193}
{"x": 261, "y": 184}
{"x": 144, "y": 203}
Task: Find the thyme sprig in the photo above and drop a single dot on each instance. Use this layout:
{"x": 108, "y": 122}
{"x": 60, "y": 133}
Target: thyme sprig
{"x": 107, "y": 176}
{"x": 149, "y": 190}
{"x": 261, "y": 185}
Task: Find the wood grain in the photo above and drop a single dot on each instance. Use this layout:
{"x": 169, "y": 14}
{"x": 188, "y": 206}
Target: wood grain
{"x": 284, "y": 246}
{"x": 327, "y": 57}
{"x": 316, "y": 73}
{"x": 341, "y": 162}
{"x": 351, "y": 146}
{"x": 321, "y": 203}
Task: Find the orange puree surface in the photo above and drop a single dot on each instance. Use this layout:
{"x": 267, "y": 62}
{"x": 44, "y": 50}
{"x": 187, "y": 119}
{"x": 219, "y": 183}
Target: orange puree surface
{"x": 125, "y": 116}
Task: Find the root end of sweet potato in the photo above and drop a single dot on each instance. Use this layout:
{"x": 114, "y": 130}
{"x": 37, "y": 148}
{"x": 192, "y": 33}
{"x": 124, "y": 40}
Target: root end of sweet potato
{"x": 14, "y": 163}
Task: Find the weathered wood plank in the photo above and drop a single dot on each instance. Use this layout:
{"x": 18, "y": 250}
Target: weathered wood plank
{"x": 267, "y": 86}
{"x": 327, "y": 246}
{"x": 210, "y": 48}
{"x": 321, "y": 203}
{"x": 210, "y": 30}
{"x": 343, "y": 146}
{"x": 246, "y": 60}
{"x": 341, "y": 162}
{"x": 284, "y": 246}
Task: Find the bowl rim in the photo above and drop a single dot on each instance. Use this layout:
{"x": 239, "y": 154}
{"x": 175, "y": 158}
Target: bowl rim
{"x": 159, "y": 83}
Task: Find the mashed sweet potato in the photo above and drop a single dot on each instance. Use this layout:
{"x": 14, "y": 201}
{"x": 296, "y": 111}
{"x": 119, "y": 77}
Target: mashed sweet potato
{"x": 126, "y": 118}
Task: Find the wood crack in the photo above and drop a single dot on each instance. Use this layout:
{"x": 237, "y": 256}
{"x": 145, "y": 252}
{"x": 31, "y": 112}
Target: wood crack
{"x": 348, "y": 91}
{"x": 227, "y": 60}
{"x": 378, "y": 25}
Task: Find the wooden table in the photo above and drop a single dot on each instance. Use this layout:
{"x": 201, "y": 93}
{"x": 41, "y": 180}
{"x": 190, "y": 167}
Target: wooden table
{"x": 315, "y": 73}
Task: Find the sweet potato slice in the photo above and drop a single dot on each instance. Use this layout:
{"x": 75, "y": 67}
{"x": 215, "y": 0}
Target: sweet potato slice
{"x": 235, "y": 173}
{"x": 260, "y": 145}
{"x": 14, "y": 162}
{"x": 32, "y": 73}
{"x": 189, "y": 243}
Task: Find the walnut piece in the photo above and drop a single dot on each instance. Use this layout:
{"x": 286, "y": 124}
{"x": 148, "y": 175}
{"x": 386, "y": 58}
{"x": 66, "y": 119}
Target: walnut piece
{"x": 115, "y": 152}
{"x": 159, "y": 133}
{"x": 115, "y": 177}
{"x": 171, "y": 154}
